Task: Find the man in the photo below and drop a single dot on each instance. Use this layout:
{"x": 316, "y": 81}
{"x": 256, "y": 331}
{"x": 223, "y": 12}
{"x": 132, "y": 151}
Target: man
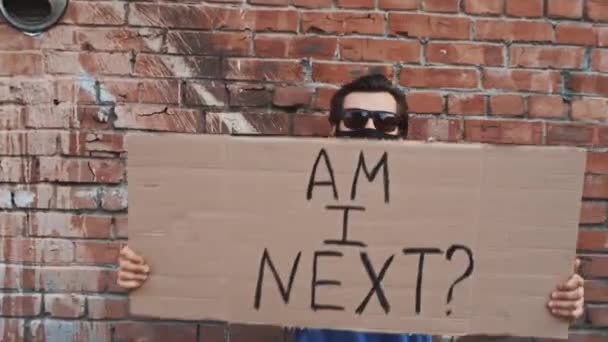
{"x": 369, "y": 107}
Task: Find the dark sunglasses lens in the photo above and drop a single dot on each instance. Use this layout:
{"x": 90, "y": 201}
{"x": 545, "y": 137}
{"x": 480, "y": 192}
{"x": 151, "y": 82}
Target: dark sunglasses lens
{"x": 386, "y": 122}
{"x": 355, "y": 119}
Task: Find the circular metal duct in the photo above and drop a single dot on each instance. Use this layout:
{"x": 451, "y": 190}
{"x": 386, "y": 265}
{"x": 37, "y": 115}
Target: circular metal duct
{"x": 33, "y": 16}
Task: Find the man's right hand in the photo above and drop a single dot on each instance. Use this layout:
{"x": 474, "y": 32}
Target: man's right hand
{"x": 133, "y": 270}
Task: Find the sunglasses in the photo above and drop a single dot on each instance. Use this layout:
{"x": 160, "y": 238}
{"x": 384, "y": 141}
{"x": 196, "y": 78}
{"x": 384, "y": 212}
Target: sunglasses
{"x": 356, "y": 119}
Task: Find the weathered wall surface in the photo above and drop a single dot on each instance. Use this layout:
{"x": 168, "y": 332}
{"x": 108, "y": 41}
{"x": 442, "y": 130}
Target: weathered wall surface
{"x": 512, "y": 71}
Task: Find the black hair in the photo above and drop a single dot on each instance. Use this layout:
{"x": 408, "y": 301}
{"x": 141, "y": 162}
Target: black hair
{"x": 373, "y": 83}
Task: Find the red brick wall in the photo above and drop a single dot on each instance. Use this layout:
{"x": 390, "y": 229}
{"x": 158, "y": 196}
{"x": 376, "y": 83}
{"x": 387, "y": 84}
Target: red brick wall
{"x": 513, "y": 71}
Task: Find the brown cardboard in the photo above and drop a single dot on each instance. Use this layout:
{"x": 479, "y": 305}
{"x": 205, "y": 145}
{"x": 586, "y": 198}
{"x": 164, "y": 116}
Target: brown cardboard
{"x": 204, "y": 208}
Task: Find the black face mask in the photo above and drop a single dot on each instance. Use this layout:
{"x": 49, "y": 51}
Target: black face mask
{"x": 366, "y": 133}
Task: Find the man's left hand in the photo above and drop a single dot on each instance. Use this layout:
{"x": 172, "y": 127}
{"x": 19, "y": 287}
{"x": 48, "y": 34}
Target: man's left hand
{"x": 568, "y": 299}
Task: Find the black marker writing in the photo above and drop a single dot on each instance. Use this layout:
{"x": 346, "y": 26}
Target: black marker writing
{"x": 284, "y": 291}
{"x": 345, "y": 241}
{"x": 422, "y": 252}
{"x": 370, "y": 177}
{"x": 466, "y": 273}
{"x": 316, "y": 282}
{"x": 376, "y": 284}
{"x": 312, "y": 182}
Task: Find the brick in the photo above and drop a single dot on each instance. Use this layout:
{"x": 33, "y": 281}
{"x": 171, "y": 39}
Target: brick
{"x": 177, "y": 66}
{"x": 12, "y": 224}
{"x": 428, "y": 26}
{"x": 6, "y": 198}
{"x": 312, "y": 3}
{"x": 35, "y": 143}
{"x": 596, "y": 291}
{"x": 311, "y": 125}
{"x": 434, "y": 128}
{"x": 12, "y": 329}
{"x": 262, "y": 70}
{"x": 10, "y": 41}
{"x": 255, "y": 333}
{"x": 524, "y": 8}
{"x": 250, "y": 95}
{"x": 588, "y": 84}
{"x": 547, "y": 57}
{"x": 20, "y": 304}
{"x": 48, "y": 251}
{"x": 209, "y": 43}
{"x": 369, "y": 4}
{"x": 94, "y": 63}
{"x": 18, "y": 169}
{"x": 72, "y": 279}
{"x": 596, "y": 186}
{"x": 171, "y": 15}
{"x": 342, "y": 22}
{"x": 599, "y": 60}
{"x": 464, "y": 53}
{"x": 121, "y": 226}
{"x": 597, "y": 10}
{"x": 434, "y": 77}
{"x": 424, "y": 102}
{"x": 64, "y": 305}
{"x": 83, "y": 143}
{"x": 274, "y": 46}
{"x": 449, "y": 6}
{"x": 570, "y": 134}
{"x": 597, "y": 266}
{"x": 158, "y": 118}
{"x": 17, "y": 277}
{"x": 47, "y": 196}
{"x": 95, "y": 13}
{"x": 592, "y": 239}
{"x": 597, "y": 162}
{"x": 96, "y": 252}
{"x": 75, "y": 331}
{"x": 114, "y": 199}
{"x": 576, "y": 34}
{"x": 546, "y": 106}
{"x": 380, "y": 50}
{"x": 503, "y": 132}
{"x": 292, "y": 96}
{"x": 27, "y": 91}
{"x": 258, "y": 20}
{"x": 81, "y": 170}
{"x": 602, "y": 36}
{"x": 62, "y": 115}
{"x": 94, "y": 117}
{"x": 513, "y": 30}
{"x": 593, "y": 213}
{"x": 159, "y": 91}
{"x": 270, "y": 2}
{"x": 590, "y": 109}
{"x": 12, "y": 117}
{"x": 484, "y": 7}
{"x": 21, "y": 63}
{"x": 467, "y": 104}
{"x": 118, "y": 91}
{"x": 527, "y": 80}
{"x": 214, "y": 332}
{"x": 119, "y": 39}
{"x": 565, "y": 8}
{"x": 338, "y": 73}
{"x": 107, "y": 307}
{"x": 212, "y": 94}
{"x": 54, "y": 224}
{"x": 155, "y": 332}
{"x": 323, "y": 98}
{"x": 398, "y": 4}
{"x": 506, "y": 104}
{"x": 244, "y": 122}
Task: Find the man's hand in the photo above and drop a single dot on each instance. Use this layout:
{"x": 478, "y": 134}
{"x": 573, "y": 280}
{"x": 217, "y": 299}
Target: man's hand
{"x": 133, "y": 270}
{"x": 568, "y": 299}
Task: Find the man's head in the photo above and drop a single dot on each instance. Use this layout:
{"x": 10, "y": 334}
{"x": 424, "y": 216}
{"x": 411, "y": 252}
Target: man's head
{"x": 369, "y": 107}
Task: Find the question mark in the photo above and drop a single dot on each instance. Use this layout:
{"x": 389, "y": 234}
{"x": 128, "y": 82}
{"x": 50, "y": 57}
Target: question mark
{"x": 466, "y": 273}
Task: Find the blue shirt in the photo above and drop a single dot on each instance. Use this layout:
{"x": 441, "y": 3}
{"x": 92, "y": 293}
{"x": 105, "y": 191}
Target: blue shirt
{"x": 324, "y": 335}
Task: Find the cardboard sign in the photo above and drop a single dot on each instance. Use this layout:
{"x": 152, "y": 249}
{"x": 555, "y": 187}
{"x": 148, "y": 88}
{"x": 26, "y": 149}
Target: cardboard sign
{"x": 354, "y": 235}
